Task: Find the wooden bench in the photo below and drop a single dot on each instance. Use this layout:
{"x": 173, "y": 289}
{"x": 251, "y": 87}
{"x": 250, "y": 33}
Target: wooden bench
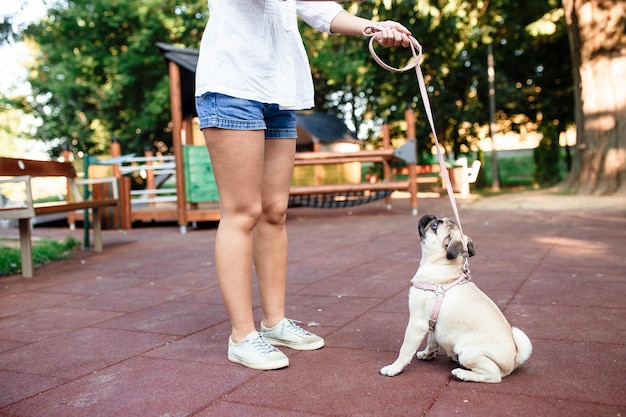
{"x": 469, "y": 174}
{"x": 425, "y": 174}
{"x": 21, "y": 171}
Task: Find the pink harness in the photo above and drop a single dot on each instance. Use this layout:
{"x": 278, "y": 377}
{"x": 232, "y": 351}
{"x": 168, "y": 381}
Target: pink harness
{"x": 440, "y": 290}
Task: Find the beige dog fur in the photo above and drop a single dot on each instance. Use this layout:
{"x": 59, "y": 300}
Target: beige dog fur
{"x": 470, "y": 327}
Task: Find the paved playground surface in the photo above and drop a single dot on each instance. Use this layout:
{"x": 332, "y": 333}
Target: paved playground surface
{"x": 139, "y": 329}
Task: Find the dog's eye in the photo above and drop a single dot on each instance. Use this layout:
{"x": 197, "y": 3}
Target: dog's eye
{"x": 435, "y": 225}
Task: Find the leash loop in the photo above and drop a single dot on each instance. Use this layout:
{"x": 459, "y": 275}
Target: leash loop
{"x": 416, "y": 50}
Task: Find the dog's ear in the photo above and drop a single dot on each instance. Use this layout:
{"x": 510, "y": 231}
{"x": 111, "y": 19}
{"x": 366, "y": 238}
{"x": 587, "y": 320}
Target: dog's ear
{"x": 455, "y": 245}
{"x": 470, "y": 246}
{"x": 455, "y": 248}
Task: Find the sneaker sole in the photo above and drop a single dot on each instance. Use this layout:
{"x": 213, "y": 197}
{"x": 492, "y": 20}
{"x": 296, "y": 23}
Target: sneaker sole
{"x": 296, "y": 346}
{"x": 262, "y": 366}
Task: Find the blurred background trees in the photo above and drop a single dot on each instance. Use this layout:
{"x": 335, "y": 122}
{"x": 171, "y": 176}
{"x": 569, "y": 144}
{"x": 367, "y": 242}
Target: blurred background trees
{"x": 98, "y": 74}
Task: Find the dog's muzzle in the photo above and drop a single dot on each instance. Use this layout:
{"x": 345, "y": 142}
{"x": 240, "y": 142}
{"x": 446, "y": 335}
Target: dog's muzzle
{"x": 424, "y": 223}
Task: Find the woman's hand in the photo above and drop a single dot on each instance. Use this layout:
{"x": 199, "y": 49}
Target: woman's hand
{"x": 390, "y": 33}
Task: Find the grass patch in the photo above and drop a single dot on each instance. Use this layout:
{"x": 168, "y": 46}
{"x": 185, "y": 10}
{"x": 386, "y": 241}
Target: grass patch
{"x": 516, "y": 170}
{"x": 44, "y": 250}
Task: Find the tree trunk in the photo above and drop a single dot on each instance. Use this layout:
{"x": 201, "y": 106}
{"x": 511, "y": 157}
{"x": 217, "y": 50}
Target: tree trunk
{"x": 597, "y": 33}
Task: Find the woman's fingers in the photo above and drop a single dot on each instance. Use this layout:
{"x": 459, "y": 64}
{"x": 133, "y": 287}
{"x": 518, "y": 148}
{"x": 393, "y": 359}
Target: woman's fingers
{"x": 392, "y": 34}
{"x": 390, "y": 37}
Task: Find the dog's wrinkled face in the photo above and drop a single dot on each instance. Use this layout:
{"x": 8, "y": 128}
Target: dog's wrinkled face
{"x": 443, "y": 233}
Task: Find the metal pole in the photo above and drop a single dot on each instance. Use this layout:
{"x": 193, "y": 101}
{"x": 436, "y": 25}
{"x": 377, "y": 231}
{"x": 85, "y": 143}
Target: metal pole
{"x": 86, "y": 243}
{"x": 491, "y": 72}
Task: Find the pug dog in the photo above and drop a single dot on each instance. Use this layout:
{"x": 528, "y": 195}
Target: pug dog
{"x": 455, "y": 314}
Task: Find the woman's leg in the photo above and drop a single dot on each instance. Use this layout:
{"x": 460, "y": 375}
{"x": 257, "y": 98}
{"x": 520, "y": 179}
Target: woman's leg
{"x": 270, "y": 250}
{"x": 237, "y": 158}
{"x": 270, "y": 234}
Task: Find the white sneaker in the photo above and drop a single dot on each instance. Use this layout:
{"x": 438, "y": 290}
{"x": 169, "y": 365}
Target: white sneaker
{"x": 287, "y": 333}
{"x": 254, "y": 352}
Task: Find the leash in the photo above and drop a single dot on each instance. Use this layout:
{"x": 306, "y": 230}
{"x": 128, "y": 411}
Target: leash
{"x": 416, "y": 50}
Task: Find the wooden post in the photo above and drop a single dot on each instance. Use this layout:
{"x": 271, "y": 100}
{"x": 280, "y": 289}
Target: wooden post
{"x": 188, "y": 129}
{"x": 116, "y": 151}
{"x": 413, "y": 200}
{"x": 126, "y": 221}
{"x": 109, "y": 216}
{"x": 71, "y": 216}
{"x": 177, "y": 122}
{"x": 148, "y": 153}
{"x": 26, "y": 248}
{"x": 318, "y": 170}
{"x": 122, "y": 215}
{"x": 386, "y": 167}
{"x": 66, "y": 154}
{"x": 386, "y": 141}
{"x": 409, "y": 117}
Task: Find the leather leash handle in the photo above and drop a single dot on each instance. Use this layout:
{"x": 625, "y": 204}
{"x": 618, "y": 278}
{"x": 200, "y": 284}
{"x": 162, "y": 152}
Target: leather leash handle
{"x": 416, "y": 50}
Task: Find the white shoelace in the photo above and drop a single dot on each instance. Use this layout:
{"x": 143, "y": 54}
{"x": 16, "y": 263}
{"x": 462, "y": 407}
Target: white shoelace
{"x": 297, "y": 329}
{"x": 260, "y": 345}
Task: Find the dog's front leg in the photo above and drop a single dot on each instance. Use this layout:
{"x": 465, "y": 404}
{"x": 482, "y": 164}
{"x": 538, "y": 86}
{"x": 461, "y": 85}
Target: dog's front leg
{"x": 431, "y": 348}
{"x": 413, "y": 337}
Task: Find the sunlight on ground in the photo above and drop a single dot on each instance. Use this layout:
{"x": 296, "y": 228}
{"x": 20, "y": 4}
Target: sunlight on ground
{"x": 582, "y": 248}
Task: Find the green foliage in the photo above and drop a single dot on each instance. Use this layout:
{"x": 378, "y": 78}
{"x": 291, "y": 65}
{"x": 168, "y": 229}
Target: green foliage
{"x": 100, "y": 74}
{"x": 533, "y": 70}
{"x": 518, "y": 168}
{"x": 547, "y": 157}
{"x": 45, "y": 250}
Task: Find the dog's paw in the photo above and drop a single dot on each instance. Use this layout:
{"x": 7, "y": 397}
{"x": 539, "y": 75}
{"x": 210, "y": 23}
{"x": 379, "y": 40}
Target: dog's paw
{"x": 461, "y": 374}
{"x": 458, "y": 374}
{"x": 390, "y": 370}
{"x": 426, "y": 355}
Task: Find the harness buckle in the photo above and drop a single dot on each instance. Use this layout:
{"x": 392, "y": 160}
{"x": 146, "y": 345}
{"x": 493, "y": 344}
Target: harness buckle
{"x": 431, "y": 325}
{"x": 439, "y": 290}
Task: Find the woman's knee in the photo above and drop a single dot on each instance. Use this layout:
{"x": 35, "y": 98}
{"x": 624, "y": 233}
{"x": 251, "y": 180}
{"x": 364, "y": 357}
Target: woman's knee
{"x": 245, "y": 216}
{"x": 275, "y": 213}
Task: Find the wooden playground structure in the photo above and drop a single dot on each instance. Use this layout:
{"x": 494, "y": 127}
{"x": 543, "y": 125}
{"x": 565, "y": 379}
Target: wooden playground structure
{"x": 195, "y": 198}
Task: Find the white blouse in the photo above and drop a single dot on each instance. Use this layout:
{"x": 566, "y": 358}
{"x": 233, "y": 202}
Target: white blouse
{"x": 252, "y": 49}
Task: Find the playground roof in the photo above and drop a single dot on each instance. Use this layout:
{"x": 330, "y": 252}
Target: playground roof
{"x": 186, "y": 59}
{"x": 312, "y": 126}
{"x": 321, "y": 127}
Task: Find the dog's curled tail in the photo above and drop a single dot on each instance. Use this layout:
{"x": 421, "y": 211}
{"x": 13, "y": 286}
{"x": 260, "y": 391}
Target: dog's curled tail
{"x": 524, "y": 347}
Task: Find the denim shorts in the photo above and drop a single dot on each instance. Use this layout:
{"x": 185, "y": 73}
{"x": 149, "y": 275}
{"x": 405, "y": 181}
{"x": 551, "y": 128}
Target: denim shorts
{"x": 226, "y": 112}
